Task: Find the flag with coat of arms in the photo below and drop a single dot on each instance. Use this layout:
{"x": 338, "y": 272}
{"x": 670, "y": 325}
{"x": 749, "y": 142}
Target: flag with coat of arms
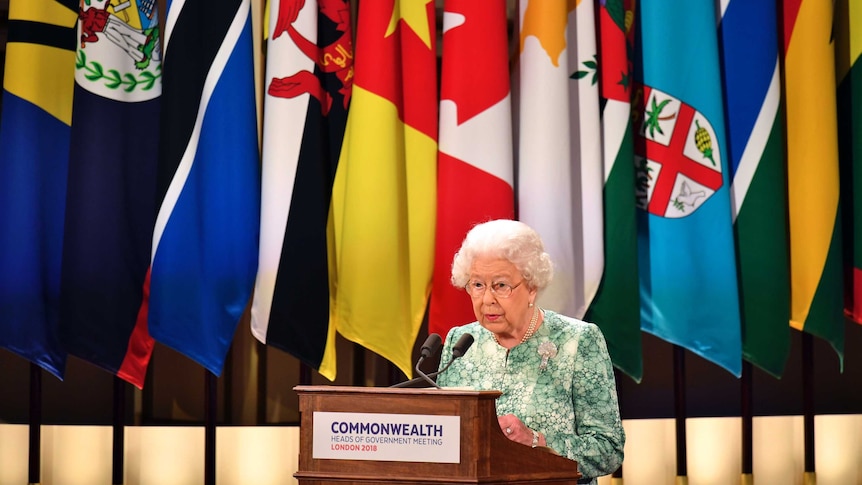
{"x": 111, "y": 204}
{"x": 309, "y": 80}
{"x": 687, "y": 265}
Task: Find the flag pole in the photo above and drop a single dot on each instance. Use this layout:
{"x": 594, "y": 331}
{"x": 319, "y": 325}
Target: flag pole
{"x": 680, "y": 414}
{"x": 809, "y": 477}
{"x": 747, "y": 413}
{"x": 617, "y": 475}
{"x": 304, "y": 374}
{"x": 35, "y": 451}
{"x": 359, "y": 377}
{"x": 210, "y": 408}
{"x": 119, "y": 431}
{"x": 261, "y": 382}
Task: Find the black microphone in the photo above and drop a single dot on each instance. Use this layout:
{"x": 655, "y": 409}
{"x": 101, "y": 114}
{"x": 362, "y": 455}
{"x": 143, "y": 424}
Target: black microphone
{"x": 461, "y": 346}
{"x": 458, "y": 350}
{"x": 430, "y": 347}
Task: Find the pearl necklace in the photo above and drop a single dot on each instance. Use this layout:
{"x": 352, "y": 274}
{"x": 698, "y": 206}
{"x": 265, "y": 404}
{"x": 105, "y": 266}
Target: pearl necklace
{"x": 531, "y": 329}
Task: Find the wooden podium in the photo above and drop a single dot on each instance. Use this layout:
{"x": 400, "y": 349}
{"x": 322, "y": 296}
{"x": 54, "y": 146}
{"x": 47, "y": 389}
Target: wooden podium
{"x": 486, "y": 455}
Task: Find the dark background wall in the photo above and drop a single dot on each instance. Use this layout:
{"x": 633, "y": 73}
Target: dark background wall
{"x": 256, "y": 386}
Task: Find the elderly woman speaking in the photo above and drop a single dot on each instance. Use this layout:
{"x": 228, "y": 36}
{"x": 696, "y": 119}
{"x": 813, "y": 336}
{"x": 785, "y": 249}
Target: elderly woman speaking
{"x": 554, "y": 371}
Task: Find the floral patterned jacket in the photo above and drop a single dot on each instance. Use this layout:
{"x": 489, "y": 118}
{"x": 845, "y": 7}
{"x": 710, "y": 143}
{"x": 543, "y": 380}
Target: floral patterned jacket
{"x": 572, "y": 400}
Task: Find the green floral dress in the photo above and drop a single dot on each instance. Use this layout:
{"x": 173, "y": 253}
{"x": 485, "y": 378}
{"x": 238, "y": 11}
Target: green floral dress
{"x": 572, "y": 401}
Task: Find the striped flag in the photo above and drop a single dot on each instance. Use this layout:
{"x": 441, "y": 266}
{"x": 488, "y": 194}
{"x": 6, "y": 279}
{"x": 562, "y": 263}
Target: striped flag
{"x": 110, "y": 203}
{"x": 816, "y": 291}
{"x": 687, "y": 265}
{"x": 383, "y": 201}
{"x": 309, "y": 80}
{"x": 559, "y": 147}
{"x": 34, "y": 144}
{"x": 616, "y": 307}
{"x": 848, "y": 52}
{"x": 755, "y": 138}
{"x": 474, "y": 168}
{"x": 206, "y": 235}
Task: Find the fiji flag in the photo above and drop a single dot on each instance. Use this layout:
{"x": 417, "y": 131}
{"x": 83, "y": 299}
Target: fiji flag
{"x": 34, "y": 144}
{"x": 111, "y": 202}
{"x": 206, "y": 234}
{"x": 685, "y": 239}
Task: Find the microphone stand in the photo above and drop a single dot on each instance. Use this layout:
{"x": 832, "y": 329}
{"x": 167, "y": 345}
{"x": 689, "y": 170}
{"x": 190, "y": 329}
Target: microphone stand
{"x": 427, "y": 377}
{"x": 424, "y": 375}
{"x": 458, "y": 350}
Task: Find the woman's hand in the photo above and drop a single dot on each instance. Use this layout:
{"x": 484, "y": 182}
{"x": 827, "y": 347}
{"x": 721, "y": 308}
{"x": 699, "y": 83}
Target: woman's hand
{"x": 518, "y": 432}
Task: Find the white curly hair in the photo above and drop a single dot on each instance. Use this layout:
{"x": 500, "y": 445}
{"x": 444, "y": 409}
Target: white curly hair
{"x": 511, "y": 240}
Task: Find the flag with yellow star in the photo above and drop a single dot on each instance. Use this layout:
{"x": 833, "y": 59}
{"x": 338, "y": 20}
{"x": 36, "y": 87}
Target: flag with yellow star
{"x": 383, "y": 200}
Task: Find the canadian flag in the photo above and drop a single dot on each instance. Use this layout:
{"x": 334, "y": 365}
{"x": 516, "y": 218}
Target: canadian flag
{"x": 474, "y": 168}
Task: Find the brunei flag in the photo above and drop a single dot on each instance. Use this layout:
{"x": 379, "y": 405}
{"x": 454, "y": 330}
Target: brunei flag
{"x": 755, "y": 136}
{"x": 34, "y": 146}
{"x": 110, "y": 203}
{"x": 383, "y": 200}
{"x": 474, "y": 171}
{"x": 559, "y": 187}
{"x": 615, "y": 308}
{"x": 848, "y": 60}
{"x": 308, "y": 85}
{"x": 205, "y": 241}
{"x": 816, "y": 295}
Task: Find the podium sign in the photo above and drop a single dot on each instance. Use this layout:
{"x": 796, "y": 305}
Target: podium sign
{"x": 422, "y": 436}
{"x": 387, "y": 437}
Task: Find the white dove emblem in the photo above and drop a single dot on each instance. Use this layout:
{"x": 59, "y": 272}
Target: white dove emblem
{"x": 687, "y": 197}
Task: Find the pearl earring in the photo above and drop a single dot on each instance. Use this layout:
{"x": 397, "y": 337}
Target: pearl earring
{"x": 531, "y": 305}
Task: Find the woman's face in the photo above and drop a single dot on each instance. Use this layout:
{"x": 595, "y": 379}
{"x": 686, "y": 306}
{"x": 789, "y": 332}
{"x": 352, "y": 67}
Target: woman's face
{"x": 506, "y": 317}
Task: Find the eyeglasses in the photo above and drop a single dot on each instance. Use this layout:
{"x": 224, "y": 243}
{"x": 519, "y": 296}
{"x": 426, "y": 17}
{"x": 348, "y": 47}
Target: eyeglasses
{"x": 499, "y": 289}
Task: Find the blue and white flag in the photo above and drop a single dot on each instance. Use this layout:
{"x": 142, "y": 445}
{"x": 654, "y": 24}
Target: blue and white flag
{"x": 205, "y": 243}
{"x": 686, "y": 259}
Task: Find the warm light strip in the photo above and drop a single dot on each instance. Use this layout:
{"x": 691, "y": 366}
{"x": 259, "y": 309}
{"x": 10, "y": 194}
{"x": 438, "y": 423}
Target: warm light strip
{"x": 73, "y": 455}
